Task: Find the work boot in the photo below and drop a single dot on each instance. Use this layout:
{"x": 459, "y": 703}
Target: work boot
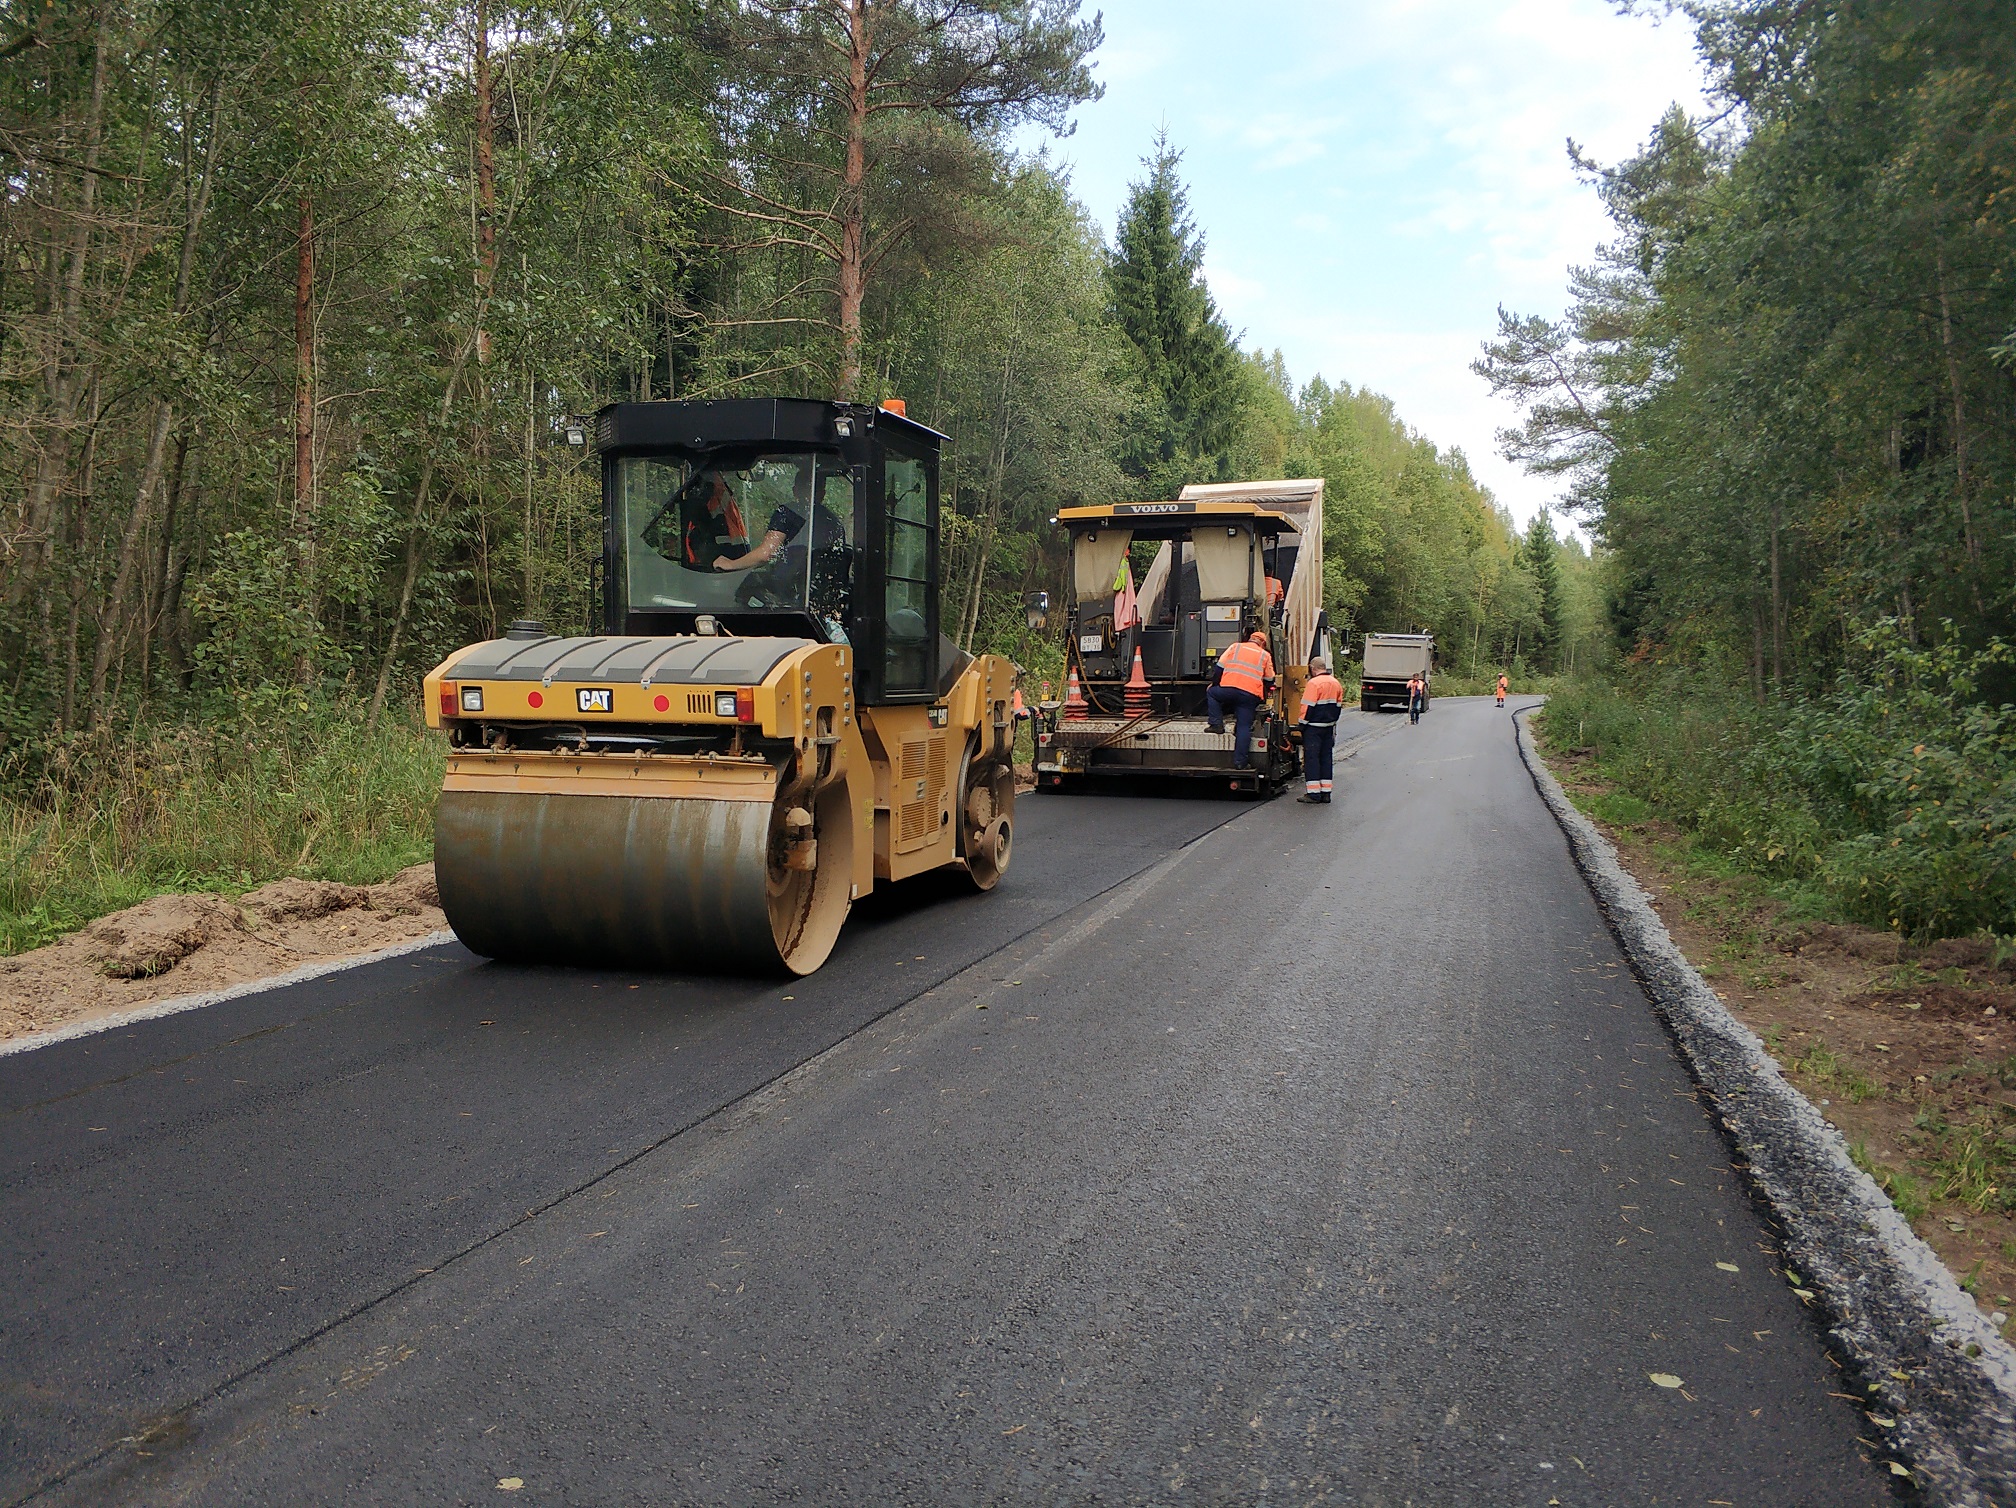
{"x": 1308, "y": 799}
{"x": 1324, "y": 798}
{"x": 1217, "y": 729}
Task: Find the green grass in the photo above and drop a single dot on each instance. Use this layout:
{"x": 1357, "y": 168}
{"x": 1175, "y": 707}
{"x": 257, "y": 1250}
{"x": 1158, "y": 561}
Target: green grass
{"x": 1904, "y": 1191}
{"x": 1615, "y": 808}
{"x": 1827, "y": 1071}
{"x": 108, "y": 822}
{"x": 1887, "y": 798}
{"x": 1971, "y": 1163}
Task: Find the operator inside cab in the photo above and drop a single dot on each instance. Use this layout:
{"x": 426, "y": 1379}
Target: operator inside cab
{"x": 811, "y": 559}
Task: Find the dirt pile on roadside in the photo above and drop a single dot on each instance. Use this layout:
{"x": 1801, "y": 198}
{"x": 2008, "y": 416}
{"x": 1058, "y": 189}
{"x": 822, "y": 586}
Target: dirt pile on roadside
{"x": 185, "y": 944}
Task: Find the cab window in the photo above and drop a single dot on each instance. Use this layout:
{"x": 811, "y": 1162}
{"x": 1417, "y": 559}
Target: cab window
{"x": 909, "y": 665}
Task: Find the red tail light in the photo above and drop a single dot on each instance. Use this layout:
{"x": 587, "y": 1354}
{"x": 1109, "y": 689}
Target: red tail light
{"x": 745, "y": 704}
{"x": 449, "y": 706}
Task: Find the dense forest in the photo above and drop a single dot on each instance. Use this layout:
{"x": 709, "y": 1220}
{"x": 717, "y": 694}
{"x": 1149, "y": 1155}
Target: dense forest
{"x": 300, "y": 302}
{"x": 1784, "y": 399}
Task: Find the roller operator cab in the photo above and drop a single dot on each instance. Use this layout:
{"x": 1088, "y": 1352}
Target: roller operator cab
{"x": 769, "y": 723}
{"x": 1155, "y": 592}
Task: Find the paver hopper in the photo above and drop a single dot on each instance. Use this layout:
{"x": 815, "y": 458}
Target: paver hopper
{"x": 1217, "y": 563}
{"x": 769, "y": 723}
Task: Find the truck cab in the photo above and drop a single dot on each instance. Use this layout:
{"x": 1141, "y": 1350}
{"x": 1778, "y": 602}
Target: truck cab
{"x": 1391, "y": 660}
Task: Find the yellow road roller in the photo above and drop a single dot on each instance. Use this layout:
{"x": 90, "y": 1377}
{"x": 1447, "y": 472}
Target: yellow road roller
{"x": 769, "y": 723}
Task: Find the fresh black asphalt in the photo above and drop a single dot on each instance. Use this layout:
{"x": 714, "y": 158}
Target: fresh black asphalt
{"x": 1333, "y": 1157}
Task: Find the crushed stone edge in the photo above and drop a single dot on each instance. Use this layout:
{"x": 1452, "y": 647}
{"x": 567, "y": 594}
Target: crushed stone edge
{"x": 1891, "y": 1302}
{"x": 176, "y": 1004}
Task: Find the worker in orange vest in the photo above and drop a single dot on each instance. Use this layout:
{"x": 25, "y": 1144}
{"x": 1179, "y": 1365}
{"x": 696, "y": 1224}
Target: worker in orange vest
{"x": 1503, "y": 686}
{"x": 1240, "y": 681}
{"x": 1322, "y": 705}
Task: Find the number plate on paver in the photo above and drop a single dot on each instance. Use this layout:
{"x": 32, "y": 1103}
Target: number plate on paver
{"x": 1091, "y": 643}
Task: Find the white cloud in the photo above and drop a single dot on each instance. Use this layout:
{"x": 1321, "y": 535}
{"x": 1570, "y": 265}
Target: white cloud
{"x": 1375, "y": 177}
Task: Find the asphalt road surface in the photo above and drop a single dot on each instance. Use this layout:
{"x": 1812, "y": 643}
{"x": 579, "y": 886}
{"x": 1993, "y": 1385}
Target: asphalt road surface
{"x": 1226, "y": 1153}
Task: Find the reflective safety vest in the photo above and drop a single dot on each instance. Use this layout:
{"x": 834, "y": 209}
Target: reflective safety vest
{"x": 1245, "y": 667}
{"x": 1322, "y": 699}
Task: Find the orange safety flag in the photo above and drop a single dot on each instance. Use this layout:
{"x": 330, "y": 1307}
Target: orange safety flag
{"x": 1245, "y": 667}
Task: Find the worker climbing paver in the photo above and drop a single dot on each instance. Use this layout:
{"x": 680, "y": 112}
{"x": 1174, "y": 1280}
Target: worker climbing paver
{"x": 1243, "y": 676}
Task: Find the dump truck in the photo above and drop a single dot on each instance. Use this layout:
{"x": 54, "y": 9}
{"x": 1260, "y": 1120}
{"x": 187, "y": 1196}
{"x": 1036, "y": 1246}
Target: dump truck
{"x": 1227, "y": 559}
{"x": 1390, "y": 661}
{"x": 769, "y": 724}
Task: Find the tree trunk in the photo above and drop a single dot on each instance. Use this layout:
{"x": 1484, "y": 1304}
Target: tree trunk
{"x": 154, "y": 591}
{"x": 486, "y": 181}
{"x": 64, "y": 379}
{"x": 531, "y": 604}
{"x": 304, "y": 362}
{"x": 1756, "y": 650}
{"x": 969, "y": 617}
{"x": 853, "y": 207}
{"x": 1777, "y": 609}
{"x": 415, "y": 527}
{"x": 112, "y": 629}
{"x": 1959, "y": 410}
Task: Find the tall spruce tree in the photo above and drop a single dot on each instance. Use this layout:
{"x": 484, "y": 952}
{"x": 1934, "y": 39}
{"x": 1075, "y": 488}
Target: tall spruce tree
{"x": 1539, "y": 554}
{"x": 1189, "y": 364}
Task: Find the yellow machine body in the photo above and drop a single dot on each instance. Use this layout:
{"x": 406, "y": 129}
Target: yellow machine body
{"x": 742, "y": 852}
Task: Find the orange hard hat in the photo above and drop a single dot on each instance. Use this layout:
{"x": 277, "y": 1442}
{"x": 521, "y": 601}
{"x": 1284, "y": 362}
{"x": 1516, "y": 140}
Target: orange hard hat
{"x": 1258, "y": 636}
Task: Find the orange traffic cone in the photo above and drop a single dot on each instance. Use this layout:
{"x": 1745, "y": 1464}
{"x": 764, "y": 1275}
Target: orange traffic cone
{"x": 1075, "y": 705}
{"x": 1139, "y": 699}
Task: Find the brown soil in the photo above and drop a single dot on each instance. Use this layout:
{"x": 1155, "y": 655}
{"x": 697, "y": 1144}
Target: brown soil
{"x": 1900, "y": 1046}
{"x": 185, "y": 944}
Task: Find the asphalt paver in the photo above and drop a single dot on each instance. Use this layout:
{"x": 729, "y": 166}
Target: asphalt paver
{"x": 1228, "y": 1153}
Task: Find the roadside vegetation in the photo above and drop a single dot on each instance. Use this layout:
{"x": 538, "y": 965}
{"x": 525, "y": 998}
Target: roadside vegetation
{"x": 1888, "y": 798}
{"x": 1781, "y": 403}
{"x": 220, "y": 806}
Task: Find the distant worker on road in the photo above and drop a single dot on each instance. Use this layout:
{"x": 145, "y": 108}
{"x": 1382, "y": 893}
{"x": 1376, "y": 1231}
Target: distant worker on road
{"x": 1503, "y": 686}
{"x": 1417, "y": 697}
{"x": 1322, "y": 705}
{"x": 1240, "y": 681}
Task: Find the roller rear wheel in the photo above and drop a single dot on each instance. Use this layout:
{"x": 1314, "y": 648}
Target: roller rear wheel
{"x": 987, "y": 820}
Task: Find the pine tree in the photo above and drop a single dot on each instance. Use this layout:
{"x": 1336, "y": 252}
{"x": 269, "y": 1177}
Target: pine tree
{"x": 1539, "y": 555}
{"x": 1188, "y": 361}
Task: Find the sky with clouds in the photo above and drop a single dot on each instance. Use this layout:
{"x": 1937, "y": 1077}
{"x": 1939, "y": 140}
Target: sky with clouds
{"x": 1375, "y": 177}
